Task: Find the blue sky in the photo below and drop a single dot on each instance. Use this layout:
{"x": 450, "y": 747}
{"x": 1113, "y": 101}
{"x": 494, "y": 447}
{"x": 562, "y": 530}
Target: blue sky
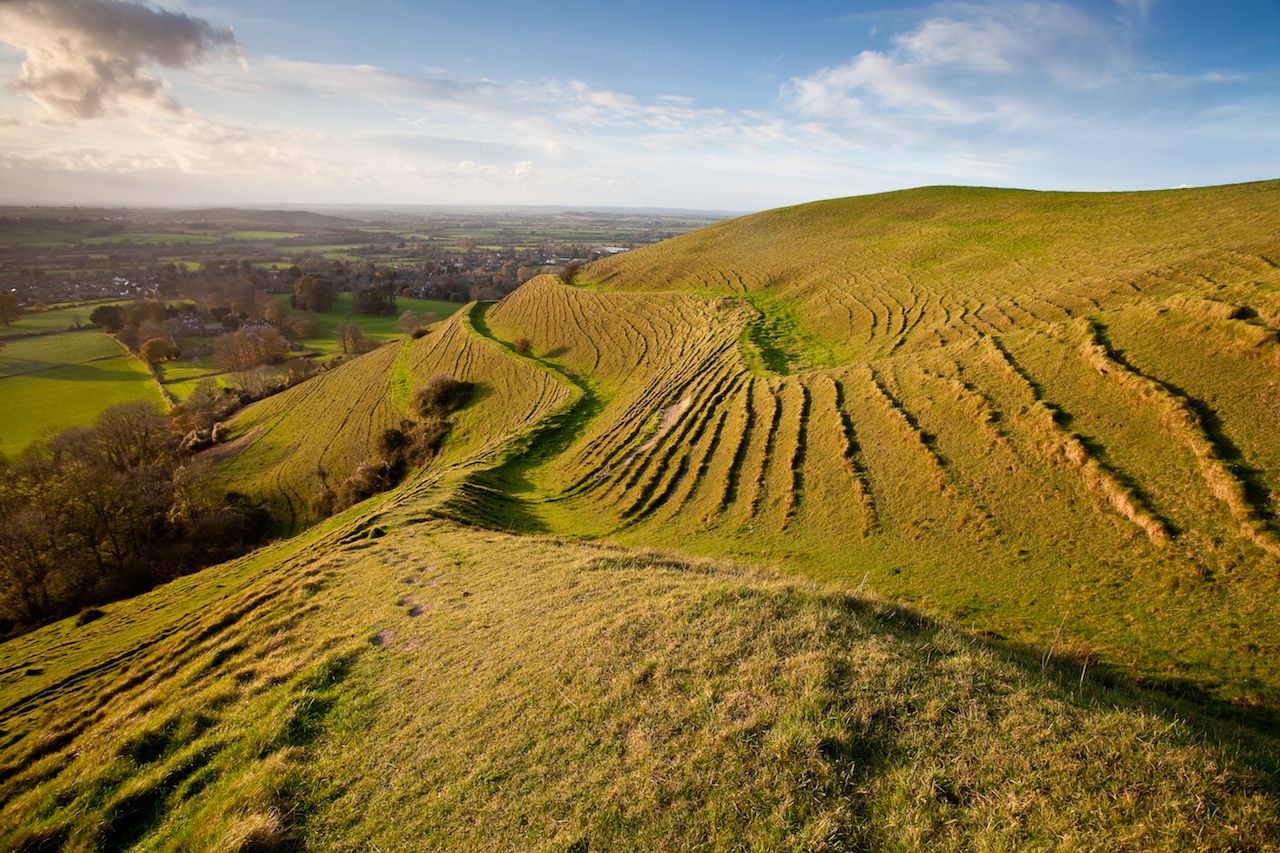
{"x": 735, "y": 106}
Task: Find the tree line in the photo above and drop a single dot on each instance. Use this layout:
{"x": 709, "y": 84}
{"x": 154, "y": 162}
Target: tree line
{"x": 107, "y": 511}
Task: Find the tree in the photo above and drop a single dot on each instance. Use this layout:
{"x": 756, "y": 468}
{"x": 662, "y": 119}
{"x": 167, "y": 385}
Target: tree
{"x": 109, "y": 317}
{"x": 107, "y": 511}
{"x": 350, "y": 337}
{"x": 373, "y": 300}
{"x": 312, "y": 293}
{"x": 570, "y": 273}
{"x": 157, "y": 350}
{"x": 249, "y": 347}
{"x": 274, "y": 313}
{"x": 134, "y": 434}
{"x": 9, "y": 308}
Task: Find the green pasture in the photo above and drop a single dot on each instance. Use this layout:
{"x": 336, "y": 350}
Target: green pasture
{"x": 151, "y": 238}
{"x": 381, "y": 328}
{"x": 54, "y": 382}
{"x": 261, "y": 235}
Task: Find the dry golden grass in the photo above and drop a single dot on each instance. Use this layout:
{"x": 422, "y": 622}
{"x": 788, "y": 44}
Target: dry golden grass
{"x": 1046, "y": 420}
{"x": 444, "y": 688}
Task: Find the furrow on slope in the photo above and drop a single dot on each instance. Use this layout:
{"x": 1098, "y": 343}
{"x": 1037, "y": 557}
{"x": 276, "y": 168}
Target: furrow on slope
{"x": 1196, "y": 426}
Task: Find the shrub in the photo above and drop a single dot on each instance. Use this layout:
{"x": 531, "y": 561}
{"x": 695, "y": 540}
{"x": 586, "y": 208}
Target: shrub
{"x": 392, "y": 443}
{"x": 441, "y": 396}
{"x": 89, "y": 614}
{"x": 425, "y": 439}
{"x": 524, "y": 346}
{"x": 301, "y": 328}
{"x": 158, "y": 349}
{"x": 409, "y": 321}
{"x": 369, "y": 479}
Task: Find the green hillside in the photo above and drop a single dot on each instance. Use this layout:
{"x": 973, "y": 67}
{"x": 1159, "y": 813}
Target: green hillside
{"x": 437, "y": 687}
{"x": 1066, "y": 426}
{"x": 942, "y": 519}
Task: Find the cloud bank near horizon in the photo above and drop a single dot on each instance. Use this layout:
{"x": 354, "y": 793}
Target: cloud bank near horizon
{"x": 112, "y": 100}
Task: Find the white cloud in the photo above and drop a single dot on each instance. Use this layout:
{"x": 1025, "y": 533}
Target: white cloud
{"x": 998, "y": 62}
{"x": 84, "y": 57}
{"x": 1025, "y": 92}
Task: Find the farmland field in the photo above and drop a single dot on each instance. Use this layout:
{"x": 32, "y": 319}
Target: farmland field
{"x": 53, "y": 319}
{"x": 52, "y": 382}
{"x": 381, "y": 327}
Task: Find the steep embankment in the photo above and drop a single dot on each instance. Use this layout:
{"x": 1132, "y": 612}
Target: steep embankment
{"x": 1052, "y": 415}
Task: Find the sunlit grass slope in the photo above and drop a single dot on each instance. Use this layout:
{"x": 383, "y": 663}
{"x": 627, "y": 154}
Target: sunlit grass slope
{"x": 290, "y": 446}
{"x": 871, "y": 275}
{"x": 1063, "y": 430}
{"x": 1051, "y": 425}
{"x": 426, "y": 686}
{"x": 1053, "y": 416}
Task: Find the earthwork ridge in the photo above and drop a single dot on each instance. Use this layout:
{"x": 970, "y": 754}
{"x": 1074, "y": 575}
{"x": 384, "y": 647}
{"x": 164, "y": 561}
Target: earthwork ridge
{"x": 1041, "y": 428}
{"x": 1075, "y": 392}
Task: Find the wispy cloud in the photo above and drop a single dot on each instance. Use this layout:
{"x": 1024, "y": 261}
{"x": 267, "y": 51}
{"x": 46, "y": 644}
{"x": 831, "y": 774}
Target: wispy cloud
{"x": 1007, "y": 91}
{"x": 975, "y": 63}
{"x": 1140, "y": 7}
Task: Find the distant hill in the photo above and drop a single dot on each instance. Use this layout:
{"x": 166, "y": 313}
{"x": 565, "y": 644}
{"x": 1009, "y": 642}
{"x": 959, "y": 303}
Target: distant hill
{"x": 940, "y": 519}
{"x": 236, "y": 216}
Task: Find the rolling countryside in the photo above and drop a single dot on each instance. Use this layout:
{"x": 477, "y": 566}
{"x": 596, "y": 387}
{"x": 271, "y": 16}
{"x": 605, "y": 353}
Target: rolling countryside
{"x": 936, "y": 519}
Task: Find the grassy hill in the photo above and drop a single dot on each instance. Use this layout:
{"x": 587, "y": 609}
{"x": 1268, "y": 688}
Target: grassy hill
{"x": 939, "y": 519}
{"x": 444, "y": 688}
{"x": 1065, "y": 427}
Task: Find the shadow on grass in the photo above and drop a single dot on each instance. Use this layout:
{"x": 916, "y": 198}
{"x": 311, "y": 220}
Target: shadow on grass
{"x": 1250, "y": 733}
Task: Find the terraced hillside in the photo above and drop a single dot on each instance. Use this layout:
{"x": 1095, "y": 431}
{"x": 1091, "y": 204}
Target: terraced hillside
{"x": 1048, "y": 421}
{"x": 293, "y": 445}
{"x": 1062, "y": 427}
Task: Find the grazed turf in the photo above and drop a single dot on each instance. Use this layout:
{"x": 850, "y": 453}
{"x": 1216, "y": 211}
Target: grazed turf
{"x": 1044, "y": 419}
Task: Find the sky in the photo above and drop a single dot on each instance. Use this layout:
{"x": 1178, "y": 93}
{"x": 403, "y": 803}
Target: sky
{"x": 729, "y": 106}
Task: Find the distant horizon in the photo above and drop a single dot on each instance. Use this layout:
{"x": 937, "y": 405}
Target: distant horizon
{"x": 373, "y": 207}
{"x": 117, "y": 103}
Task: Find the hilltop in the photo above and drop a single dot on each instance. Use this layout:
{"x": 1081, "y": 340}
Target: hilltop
{"x": 938, "y": 518}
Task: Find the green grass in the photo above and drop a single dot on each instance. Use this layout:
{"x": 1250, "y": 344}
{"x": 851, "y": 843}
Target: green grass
{"x": 780, "y": 342}
{"x": 28, "y": 355}
{"x": 54, "y": 382}
{"x": 629, "y": 605}
{"x": 57, "y": 319}
{"x": 261, "y": 235}
{"x": 151, "y": 238}
{"x": 446, "y": 688}
{"x": 378, "y": 327}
